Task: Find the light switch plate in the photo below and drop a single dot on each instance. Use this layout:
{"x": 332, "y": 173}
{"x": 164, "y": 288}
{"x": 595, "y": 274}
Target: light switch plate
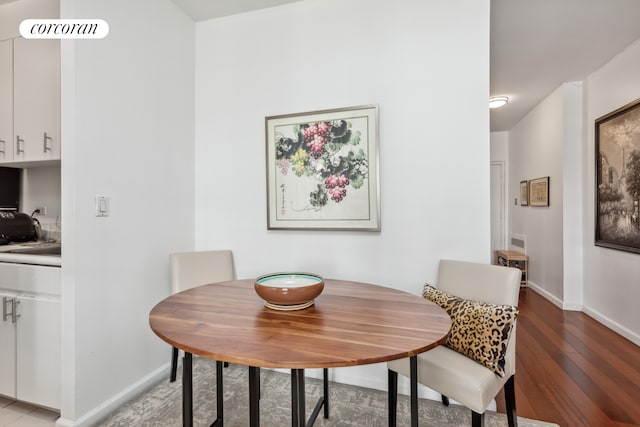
{"x": 102, "y": 206}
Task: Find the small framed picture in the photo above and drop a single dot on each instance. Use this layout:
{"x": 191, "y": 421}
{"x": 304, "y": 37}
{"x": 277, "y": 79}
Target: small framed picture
{"x": 322, "y": 170}
{"x": 539, "y": 192}
{"x": 524, "y": 193}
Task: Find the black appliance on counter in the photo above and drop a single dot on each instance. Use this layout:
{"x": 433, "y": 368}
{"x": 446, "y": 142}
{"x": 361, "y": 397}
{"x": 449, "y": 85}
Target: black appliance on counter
{"x": 10, "y": 189}
{"x": 16, "y": 227}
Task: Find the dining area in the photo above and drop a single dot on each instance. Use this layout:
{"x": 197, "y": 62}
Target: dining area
{"x": 295, "y": 321}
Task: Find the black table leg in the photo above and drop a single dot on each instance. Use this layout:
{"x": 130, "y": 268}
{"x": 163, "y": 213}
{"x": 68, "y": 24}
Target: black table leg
{"x": 219, "y": 421}
{"x": 298, "y": 411}
{"x": 413, "y": 362}
{"x": 325, "y": 380}
{"x": 392, "y": 395}
{"x": 254, "y": 396}
{"x": 294, "y": 398}
{"x": 174, "y": 364}
{"x": 187, "y": 391}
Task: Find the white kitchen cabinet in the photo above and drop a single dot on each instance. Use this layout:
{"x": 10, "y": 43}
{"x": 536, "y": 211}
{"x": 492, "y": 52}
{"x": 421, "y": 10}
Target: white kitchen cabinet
{"x": 6, "y": 100}
{"x": 30, "y": 341}
{"x": 36, "y": 99}
{"x": 38, "y": 350}
{"x": 7, "y": 347}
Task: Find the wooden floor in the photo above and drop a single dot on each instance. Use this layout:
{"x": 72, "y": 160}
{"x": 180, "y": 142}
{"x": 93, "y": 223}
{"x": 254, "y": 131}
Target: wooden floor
{"x": 571, "y": 370}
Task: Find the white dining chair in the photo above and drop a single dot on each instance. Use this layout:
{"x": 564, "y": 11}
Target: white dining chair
{"x": 455, "y": 375}
{"x": 191, "y": 269}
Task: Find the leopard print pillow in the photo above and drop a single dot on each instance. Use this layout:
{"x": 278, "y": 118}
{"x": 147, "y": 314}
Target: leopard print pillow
{"x": 479, "y": 330}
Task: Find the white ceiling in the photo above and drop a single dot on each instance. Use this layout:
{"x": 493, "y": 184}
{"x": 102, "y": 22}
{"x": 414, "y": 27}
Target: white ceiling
{"x": 536, "y": 45}
{"x": 201, "y": 10}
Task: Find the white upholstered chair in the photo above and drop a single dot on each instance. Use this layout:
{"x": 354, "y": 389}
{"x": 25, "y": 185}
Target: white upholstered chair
{"x": 191, "y": 269}
{"x": 452, "y": 374}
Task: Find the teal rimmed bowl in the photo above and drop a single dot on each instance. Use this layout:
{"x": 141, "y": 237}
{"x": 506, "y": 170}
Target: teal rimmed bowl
{"x": 289, "y": 291}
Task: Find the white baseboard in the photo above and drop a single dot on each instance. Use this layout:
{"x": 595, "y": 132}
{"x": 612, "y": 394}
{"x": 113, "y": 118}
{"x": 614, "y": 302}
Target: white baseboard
{"x": 103, "y": 410}
{"x": 555, "y": 300}
{"x": 572, "y": 307}
{"x": 61, "y": 422}
{"x": 614, "y": 326}
{"x": 369, "y": 376}
{"x": 537, "y": 289}
{"x": 375, "y": 377}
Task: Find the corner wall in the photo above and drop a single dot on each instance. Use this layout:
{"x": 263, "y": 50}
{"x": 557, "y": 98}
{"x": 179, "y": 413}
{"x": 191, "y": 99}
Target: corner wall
{"x": 127, "y": 133}
{"x": 611, "y": 278}
{"x": 535, "y": 151}
{"x": 427, "y": 66}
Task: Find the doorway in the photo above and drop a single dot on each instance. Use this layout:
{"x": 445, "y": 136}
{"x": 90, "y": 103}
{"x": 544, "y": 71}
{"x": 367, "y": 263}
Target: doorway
{"x": 498, "y": 207}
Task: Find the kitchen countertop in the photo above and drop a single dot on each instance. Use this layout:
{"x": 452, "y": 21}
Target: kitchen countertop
{"x": 28, "y": 257}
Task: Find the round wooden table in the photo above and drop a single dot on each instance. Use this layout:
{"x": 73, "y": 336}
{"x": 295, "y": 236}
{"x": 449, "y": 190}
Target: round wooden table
{"x": 350, "y": 324}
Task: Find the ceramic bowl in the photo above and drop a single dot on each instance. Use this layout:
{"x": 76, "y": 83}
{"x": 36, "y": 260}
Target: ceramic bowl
{"x": 289, "y": 291}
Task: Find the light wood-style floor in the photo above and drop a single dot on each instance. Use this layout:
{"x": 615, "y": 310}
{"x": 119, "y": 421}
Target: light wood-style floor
{"x": 571, "y": 370}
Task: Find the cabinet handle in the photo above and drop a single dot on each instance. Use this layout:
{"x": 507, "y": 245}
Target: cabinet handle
{"x": 5, "y": 315}
{"x": 14, "y": 310}
{"x": 19, "y": 145}
{"x": 2, "y": 141}
{"x": 46, "y": 143}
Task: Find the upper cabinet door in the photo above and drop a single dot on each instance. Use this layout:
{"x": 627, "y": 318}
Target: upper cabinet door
{"x": 6, "y": 101}
{"x": 36, "y": 99}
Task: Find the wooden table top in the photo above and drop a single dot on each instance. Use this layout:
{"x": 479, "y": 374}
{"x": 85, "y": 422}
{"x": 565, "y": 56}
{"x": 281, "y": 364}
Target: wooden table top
{"x": 350, "y": 324}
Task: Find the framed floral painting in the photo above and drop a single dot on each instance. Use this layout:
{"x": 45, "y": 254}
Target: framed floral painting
{"x": 322, "y": 170}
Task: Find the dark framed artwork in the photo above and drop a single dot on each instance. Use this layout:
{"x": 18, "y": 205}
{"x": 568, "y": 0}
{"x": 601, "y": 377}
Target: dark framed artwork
{"x": 617, "y": 192}
{"x": 524, "y": 193}
{"x": 322, "y": 170}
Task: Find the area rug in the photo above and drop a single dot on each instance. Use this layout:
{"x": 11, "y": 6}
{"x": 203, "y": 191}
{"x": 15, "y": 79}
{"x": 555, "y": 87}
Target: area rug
{"x": 350, "y": 406}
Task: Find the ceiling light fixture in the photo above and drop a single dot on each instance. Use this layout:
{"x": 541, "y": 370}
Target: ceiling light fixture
{"x": 498, "y": 101}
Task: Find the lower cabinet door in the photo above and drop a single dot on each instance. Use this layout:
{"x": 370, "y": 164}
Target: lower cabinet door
{"x": 7, "y": 348}
{"x": 38, "y": 351}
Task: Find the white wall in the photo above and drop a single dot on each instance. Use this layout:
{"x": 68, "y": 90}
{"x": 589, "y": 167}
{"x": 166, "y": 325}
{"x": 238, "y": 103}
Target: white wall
{"x": 499, "y": 146}
{"x": 41, "y": 187}
{"x": 426, "y": 63}
{"x": 611, "y": 277}
{"x": 573, "y": 167}
{"x": 127, "y": 132}
{"x": 535, "y": 151}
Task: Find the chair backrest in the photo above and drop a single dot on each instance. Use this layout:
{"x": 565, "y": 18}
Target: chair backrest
{"x": 481, "y": 282}
{"x": 492, "y": 284}
{"x": 190, "y": 269}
